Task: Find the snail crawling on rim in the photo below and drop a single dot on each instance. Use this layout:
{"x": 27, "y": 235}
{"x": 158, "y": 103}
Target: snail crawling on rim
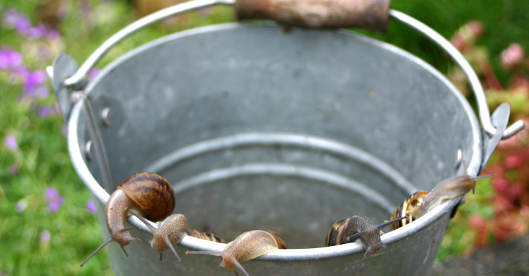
{"x": 172, "y": 229}
{"x": 247, "y": 246}
{"x": 419, "y": 203}
{"x": 146, "y": 194}
{"x": 349, "y": 229}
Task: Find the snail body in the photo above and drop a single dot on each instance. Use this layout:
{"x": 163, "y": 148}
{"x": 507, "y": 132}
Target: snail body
{"x": 347, "y": 230}
{"x": 172, "y": 230}
{"x": 147, "y": 194}
{"x": 419, "y": 203}
{"x": 247, "y": 246}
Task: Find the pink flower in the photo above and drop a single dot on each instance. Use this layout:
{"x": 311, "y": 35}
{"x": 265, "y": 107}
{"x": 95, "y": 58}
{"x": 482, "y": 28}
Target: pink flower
{"x": 500, "y": 184}
{"x": 467, "y": 35}
{"x": 514, "y": 161}
{"x": 515, "y": 191}
{"x": 11, "y": 142}
{"x": 478, "y": 223}
{"x": 512, "y": 56}
{"x": 476, "y": 28}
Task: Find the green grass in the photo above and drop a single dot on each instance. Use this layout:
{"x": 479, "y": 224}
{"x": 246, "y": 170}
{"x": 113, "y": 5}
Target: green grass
{"x": 42, "y": 153}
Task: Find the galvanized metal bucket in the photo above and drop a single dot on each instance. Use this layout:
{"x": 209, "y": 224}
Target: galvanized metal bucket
{"x": 263, "y": 129}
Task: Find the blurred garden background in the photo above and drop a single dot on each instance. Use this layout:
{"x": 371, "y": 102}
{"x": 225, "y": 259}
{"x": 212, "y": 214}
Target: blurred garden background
{"x": 47, "y": 224}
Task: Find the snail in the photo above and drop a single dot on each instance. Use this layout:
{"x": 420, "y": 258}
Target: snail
{"x": 147, "y": 194}
{"x": 172, "y": 229}
{"x": 247, "y": 246}
{"x": 347, "y": 230}
{"x": 210, "y": 236}
{"x": 419, "y": 203}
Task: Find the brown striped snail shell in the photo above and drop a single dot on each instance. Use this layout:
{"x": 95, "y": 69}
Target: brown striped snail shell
{"x": 347, "y": 230}
{"x": 209, "y": 236}
{"x": 151, "y": 194}
{"x": 403, "y": 210}
{"x": 147, "y": 194}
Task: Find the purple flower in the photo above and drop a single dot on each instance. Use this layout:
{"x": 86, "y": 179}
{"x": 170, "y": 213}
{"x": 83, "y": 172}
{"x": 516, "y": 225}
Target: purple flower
{"x": 21, "y": 72}
{"x": 41, "y": 92}
{"x": 11, "y": 17}
{"x": 9, "y": 58}
{"x": 33, "y": 80}
{"x": 23, "y": 25}
{"x": 44, "y": 239}
{"x": 44, "y": 53}
{"x": 64, "y": 130}
{"x": 13, "y": 169}
{"x": 36, "y": 32}
{"x": 91, "y": 206}
{"x": 11, "y": 142}
{"x": 45, "y": 236}
{"x": 19, "y": 21}
{"x": 86, "y": 8}
{"x": 45, "y": 111}
{"x": 21, "y": 205}
{"x": 51, "y": 34}
{"x": 51, "y": 192}
{"x": 54, "y": 199}
{"x": 92, "y": 74}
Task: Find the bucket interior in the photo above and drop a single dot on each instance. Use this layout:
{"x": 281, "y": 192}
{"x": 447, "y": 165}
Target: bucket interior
{"x": 258, "y": 128}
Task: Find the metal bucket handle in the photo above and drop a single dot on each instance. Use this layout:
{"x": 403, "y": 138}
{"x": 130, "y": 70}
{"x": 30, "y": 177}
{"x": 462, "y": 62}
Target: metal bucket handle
{"x": 67, "y": 76}
{"x": 78, "y": 81}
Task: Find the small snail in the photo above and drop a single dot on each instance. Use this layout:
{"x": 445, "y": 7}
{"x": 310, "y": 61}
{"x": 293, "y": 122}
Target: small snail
{"x": 247, "y": 246}
{"x": 349, "y": 229}
{"x": 209, "y": 236}
{"x": 419, "y": 203}
{"x": 149, "y": 194}
{"x": 172, "y": 229}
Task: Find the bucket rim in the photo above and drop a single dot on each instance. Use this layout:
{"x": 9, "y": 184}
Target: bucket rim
{"x": 302, "y": 254}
